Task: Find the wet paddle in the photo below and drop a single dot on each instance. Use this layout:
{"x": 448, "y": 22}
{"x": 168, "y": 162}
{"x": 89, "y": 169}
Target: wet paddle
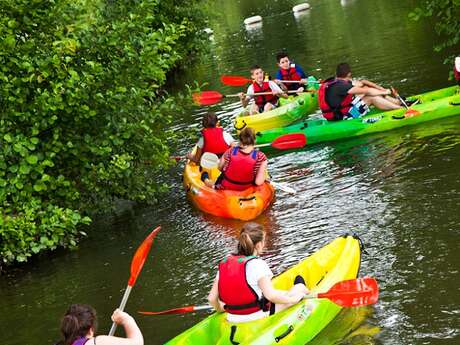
{"x": 213, "y": 97}
{"x": 395, "y": 93}
{"x": 236, "y": 80}
{"x": 137, "y": 262}
{"x": 287, "y": 142}
{"x": 348, "y": 293}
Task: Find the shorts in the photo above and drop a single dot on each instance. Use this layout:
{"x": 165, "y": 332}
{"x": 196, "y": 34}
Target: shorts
{"x": 358, "y": 108}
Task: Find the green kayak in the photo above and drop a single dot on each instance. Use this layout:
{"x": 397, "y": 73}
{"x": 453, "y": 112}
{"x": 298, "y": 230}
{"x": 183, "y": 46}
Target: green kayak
{"x": 430, "y": 106}
{"x": 337, "y": 261}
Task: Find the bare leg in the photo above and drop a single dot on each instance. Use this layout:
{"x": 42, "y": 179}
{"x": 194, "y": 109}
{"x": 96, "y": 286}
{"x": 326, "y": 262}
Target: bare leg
{"x": 254, "y": 109}
{"x": 393, "y": 100}
{"x": 268, "y": 107}
{"x": 380, "y": 103}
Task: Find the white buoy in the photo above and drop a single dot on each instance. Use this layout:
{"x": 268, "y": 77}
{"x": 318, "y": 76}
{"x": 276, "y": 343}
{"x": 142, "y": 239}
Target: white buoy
{"x": 252, "y": 20}
{"x": 301, "y": 7}
{"x": 208, "y": 31}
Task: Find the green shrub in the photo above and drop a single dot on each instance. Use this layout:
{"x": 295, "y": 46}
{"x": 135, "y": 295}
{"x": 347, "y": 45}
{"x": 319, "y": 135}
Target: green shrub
{"x": 82, "y": 106}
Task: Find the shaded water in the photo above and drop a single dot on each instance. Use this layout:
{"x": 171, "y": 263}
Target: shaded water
{"x": 398, "y": 190}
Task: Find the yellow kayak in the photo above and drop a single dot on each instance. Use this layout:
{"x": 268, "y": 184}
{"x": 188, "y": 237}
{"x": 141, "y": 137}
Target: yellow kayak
{"x": 335, "y": 262}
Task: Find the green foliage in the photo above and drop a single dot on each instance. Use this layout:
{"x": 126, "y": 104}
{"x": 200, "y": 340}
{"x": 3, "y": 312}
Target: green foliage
{"x": 446, "y": 14}
{"x": 82, "y": 106}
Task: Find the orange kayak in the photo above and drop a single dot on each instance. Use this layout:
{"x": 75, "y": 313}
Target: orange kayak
{"x": 244, "y": 205}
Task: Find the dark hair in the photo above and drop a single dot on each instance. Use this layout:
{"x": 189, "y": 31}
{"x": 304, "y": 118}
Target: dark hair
{"x": 250, "y": 235}
{"x": 281, "y": 55}
{"x": 77, "y": 322}
{"x": 209, "y": 120}
{"x": 342, "y": 70}
{"x": 247, "y": 136}
{"x": 254, "y": 67}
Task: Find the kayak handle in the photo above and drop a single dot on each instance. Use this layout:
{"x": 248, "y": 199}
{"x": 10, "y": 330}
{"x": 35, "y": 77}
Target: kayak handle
{"x": 453, "y": 103}
{"x": 247, "y": 199}
{"x": 285, "y": 334}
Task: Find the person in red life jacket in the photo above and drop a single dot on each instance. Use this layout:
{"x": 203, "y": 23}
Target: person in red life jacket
{"x": 243, "y": 286}
{"x": 242, "y": 166}
{"x": 340, "y": 97}
{"x": 214, "y": 139}
{"x": 457, "y": 69}
{"x": 79, "y": 325}
{"x": 262, "y": 103}
{"x": 289, "y": 71}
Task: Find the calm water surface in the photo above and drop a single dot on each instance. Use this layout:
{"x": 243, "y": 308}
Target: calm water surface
{"x": 398, "y": 190}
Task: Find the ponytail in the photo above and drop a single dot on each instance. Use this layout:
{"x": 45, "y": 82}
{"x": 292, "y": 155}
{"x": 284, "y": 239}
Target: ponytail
{"x": 250, "y": 235}
{"x": 77, "y": 322}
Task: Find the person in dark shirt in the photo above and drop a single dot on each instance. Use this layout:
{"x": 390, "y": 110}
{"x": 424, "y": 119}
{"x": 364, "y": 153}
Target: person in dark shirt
{"x": 346, "y": 98}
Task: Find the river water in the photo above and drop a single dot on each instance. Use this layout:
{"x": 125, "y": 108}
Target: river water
{"x": 398, "y": 190}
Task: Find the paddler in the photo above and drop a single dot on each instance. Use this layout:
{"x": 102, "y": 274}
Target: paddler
{"x": 213, "y": 138}
{"x": 243, "y": 286}
{"x": 289, "y": 71}
{"x": 242, "y": 166}
{"x": 79, "y": 327}
{"x": 341, "y": 98}
{"x": 457, "y": 69}
{"x": 261, "y": 103}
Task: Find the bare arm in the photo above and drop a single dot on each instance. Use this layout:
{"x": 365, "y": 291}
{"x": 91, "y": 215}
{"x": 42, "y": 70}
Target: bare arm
{"x": 277, "y": 296}
{"x": 197, "y": 156}
{"x": 260, "y": 177}
{"x": 133, "y": 333}
{"x": 213, "y": 297}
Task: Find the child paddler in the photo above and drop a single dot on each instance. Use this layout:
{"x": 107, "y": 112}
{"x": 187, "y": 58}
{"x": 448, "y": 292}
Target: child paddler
{"x": 289, "y": 72}
{"x": 79, "y": 327}
{"x": 243, "y": 286}
{"x": 242, "y": 166}
{"x": 261, "y": 103}
{"x": 213, "y": 138}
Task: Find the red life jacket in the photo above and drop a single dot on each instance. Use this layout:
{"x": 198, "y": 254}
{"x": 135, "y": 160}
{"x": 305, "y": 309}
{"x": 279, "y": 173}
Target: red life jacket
{"x": 329, "y": 113}
{"x": 214, "y": 141}
{"x": 234, "y": 289}
{"x": 290, "y": 74}
{"x": 239, "y": 174}
{"x": 457, "y": 75}
{"x": 264, "y": 99}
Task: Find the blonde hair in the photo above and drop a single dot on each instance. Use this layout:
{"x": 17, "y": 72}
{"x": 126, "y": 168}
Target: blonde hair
{"x": 250, "y": 235}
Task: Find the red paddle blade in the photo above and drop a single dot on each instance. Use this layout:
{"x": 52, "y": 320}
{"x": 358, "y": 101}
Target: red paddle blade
{"x": 290, "y": 141}
{"x": 181, "y": 310}
{"x": 411, "y": 113}
{"x": 234, "y": 80}
{"x": 353, "y": 293}
{"x": 207, "y": 97}
{"x": 140, "y": 256}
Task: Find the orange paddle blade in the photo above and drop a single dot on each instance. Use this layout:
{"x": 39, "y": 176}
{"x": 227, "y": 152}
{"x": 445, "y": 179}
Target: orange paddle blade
{"x": 411, "y": 113}
{"x": 140, "y": 256}
{"x": 181, "y": 310}
{"x": 290, "y": 141}
{"x": 353, "y": 293}
{"x": 234, "y": 80}
{"x": 207, "y": 97}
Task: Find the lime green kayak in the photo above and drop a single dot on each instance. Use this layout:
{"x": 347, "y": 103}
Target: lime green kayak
{"x": 290, "y": 110}
{"x": 431, "y": 106}
{"x": 337, "y": 261}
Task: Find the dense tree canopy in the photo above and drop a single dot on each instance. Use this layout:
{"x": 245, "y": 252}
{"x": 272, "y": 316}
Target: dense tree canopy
{"x": 82, "y": 107}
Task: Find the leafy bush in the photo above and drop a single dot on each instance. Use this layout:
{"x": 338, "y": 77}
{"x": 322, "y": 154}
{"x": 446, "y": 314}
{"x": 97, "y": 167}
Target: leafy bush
{"x": 446, "y": 14}
{"x": 82, "y": 106}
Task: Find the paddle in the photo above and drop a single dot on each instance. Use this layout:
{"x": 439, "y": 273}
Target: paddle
{"x": 348, "y": 293}
{"x": 287, "y": 142}
{"x": 137, "y": 262}
{"x": 394, "y": 92}
{"x": 236, "y": 80}
{"x": 213, "y": 97}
